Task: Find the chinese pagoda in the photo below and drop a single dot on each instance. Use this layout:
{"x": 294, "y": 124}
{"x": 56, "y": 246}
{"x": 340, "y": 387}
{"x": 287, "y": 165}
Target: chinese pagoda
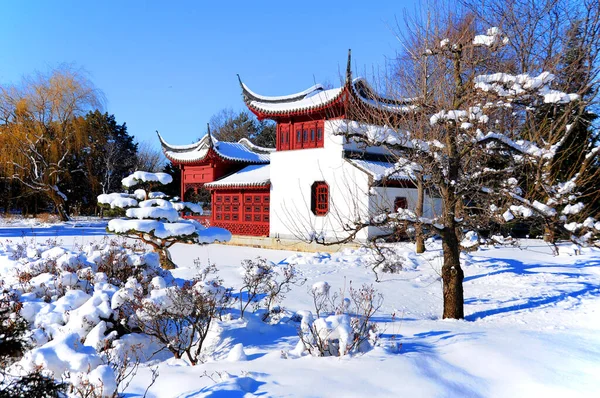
{"x": 315, "y": 181}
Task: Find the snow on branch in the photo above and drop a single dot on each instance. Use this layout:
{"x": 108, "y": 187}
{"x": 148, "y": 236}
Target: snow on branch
{"x": 521, "y": 146}
{"x": 140, "y": 177}
{"x": 493, "y": 38}
{"x": 117, "y": 200}
{"x": 380, "y": 135}
{"x": 507, "y": 85}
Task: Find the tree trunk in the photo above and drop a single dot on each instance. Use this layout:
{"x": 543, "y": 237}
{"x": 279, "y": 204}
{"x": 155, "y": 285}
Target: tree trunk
{"x": 452, "y": 276}
{"x": 420, "y": 239}
{"x": 59, "y": 203}
{"x": 62, "y": 213}
{"x": 549, "y": 235}
{"x": 165, "y": 259}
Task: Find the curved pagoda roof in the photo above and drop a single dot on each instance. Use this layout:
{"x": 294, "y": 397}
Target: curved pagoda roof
{"x": 316, "y": 99}
{"x": 208, "y": 148}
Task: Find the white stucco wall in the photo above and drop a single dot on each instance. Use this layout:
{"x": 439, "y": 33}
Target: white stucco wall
{"x": 292, "y": 175}
{"x": 294, "y": 172}
{"x": 384, "y": 199}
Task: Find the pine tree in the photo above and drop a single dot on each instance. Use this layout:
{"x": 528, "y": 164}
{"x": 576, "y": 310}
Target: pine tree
{"x": 154, "y": 218}
{"x": 109, "y": 156}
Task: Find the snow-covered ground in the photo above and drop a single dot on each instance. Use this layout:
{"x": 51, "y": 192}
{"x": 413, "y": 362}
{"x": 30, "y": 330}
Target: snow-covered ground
{"x": 532, "y": 326}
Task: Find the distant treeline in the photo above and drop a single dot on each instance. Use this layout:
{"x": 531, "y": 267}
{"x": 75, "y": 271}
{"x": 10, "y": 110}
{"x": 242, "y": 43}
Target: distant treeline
{"x": 58, "y": 151}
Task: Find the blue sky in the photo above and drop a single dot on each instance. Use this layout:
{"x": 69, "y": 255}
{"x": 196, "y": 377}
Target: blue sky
{"x": 170, "y": 66}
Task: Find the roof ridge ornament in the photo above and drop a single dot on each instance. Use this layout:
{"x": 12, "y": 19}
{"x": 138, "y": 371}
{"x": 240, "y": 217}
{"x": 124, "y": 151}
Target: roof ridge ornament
{"x": 349, "y": 67}
{"x": 211, "y": 144}
{"x": 162, "y": 142}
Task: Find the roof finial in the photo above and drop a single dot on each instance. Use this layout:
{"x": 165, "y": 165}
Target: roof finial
{"x": 210, "y": 139}
{"x": 162, "y": 142}
{"x": 245, "y": 94}
{"x": 349, "y": 67}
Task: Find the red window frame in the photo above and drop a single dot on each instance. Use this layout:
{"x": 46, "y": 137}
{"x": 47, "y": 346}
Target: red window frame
{"x": 227, "y": 206}
{"x": 307, "y": 135}
{"x": 283, "y": 136}
{"x": 320, "y": 198}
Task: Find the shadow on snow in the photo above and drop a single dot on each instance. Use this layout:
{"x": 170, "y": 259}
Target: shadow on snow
{"x": 560, "y": 288}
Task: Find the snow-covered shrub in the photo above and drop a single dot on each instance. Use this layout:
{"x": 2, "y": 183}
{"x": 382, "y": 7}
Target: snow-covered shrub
{"x": 179, "y": 317}
{"x": 110, "y": 379}
{"x": 120, "y": 263}
{"x": 266, "y": 285}
{"x": 349, "y": 330}
{"x": 71, "y": 303}
{"x": 321, "y": 299}
{"x": 13, "y": 344}
{"x": 153, "y": 217}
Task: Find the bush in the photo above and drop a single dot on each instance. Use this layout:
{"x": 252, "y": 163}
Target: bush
{"x": 348, "y": 329}
{"x": 13, "y": 344}
{"x": 266, "y": 285}
{"x": 179, "y": 318}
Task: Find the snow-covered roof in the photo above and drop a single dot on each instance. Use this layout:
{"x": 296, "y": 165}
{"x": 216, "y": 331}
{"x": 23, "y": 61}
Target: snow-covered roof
{"x": 281, "y": 98}
{"x": 241, "y": 151}
{"x": 297, "y": 104}
{"x": 383, "y": 170}
{"x": 250, "y": 176}
{"x": 367, "y": 95}
{"x": 316, "y": 98}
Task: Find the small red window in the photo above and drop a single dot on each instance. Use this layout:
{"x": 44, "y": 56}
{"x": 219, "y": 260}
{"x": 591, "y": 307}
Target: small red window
{"x": 320, "y": 198}
{"x": 400, "y": 203}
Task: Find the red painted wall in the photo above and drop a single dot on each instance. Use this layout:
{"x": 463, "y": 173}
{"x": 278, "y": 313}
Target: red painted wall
{"x": 242, "y": 211}
{"x": 300, "y": 135}
{"x": 196, "y": 176}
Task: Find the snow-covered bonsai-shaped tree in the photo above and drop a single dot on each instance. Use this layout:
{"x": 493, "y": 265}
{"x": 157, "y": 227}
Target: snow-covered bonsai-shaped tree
{"x": 153, "y": 217}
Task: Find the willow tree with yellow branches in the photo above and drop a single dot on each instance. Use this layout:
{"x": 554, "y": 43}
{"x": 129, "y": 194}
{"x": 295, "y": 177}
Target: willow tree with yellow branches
{"x": 38, "y": 133}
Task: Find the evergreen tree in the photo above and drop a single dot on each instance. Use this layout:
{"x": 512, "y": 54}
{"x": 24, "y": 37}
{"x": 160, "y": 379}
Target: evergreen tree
{"x": 174, "y": 187}
{"x": 226, "y": 125}
{"x": 265, "y": 135}
{"x": 109, "y": 156}
{"x": 154, "y": 218}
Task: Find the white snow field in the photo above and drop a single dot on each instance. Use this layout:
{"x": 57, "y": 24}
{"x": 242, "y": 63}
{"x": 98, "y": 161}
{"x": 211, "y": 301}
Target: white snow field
{"x": 532, "y": 326}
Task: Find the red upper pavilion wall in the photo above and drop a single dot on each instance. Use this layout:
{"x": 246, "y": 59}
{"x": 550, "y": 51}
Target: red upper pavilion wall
{"x": 300, "y": 135}
{"x": 194, "y": 177}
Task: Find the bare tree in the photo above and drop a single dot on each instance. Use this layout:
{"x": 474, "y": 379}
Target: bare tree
{"x": 37, "y": 134}
{"x": 481, "y": 136}
{"x": 149, "y": 158}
